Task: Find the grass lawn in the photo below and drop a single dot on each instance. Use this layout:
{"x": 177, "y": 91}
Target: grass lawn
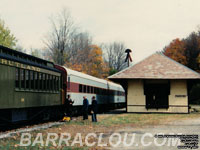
{"x": 107, "y": 123}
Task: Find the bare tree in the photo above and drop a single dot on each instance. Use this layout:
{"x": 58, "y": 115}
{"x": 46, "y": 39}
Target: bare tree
{"x": 79, "y": 47}
{"x": 58, "y": 39}
{"x": 115, "y": 55}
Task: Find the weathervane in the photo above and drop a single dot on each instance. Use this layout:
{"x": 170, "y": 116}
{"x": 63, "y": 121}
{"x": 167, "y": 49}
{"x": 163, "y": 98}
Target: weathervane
{"x": 128, "y": 56}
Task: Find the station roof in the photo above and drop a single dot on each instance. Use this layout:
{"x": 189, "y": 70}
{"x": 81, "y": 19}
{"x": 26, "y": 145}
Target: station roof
{"x": 156, "y": 66}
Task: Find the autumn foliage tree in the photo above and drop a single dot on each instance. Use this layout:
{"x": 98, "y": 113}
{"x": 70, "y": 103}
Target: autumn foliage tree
{"x": 92, "y": 63}
{"x": 95, "y": 64}
{"x": 176, "y": 51}
{"x": 185, "y": 51}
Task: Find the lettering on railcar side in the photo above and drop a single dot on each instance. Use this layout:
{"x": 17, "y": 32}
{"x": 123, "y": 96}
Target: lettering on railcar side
{"x": 4, "y": 61}
{"x": 24, "y": 66}
{"x": 19, "y": 65}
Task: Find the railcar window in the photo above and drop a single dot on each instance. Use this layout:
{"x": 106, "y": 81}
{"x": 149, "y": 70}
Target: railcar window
{"x": 36, "y": 80}
{"x": 27, "y": 77}
{"x": 98, "y": 91}
{"x": 17, "y": 75}
{"x": 59, "y": 83}
{"x": 104, "y": 92}
{"x": 44, "y": 82}
{"x": 32, "y": 79}
{"x": 80, "y": 88}
{"x": 51, "y": 85}
{"x": 88, "y": 89}
{"x": 22, "y": 78}
{"x": 84, "y": 88}
{"x": 110, "y": 92}
{"x": 47, "y": 77}
{"x": 92, "y": 89}
{"x": 68, "y": 83}
{"x": 54, "y": 83}
{"x": 51, "y": 82}
{"x": 40, "y": 81}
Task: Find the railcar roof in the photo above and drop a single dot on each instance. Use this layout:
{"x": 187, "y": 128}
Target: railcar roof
{"x": 14, "y": 55}
{"x": 86, "y": 76}
{"x": 22, "y": 54}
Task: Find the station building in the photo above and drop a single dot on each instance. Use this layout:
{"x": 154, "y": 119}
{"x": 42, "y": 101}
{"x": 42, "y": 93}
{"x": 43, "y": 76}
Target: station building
{"x": 157, "y": 84}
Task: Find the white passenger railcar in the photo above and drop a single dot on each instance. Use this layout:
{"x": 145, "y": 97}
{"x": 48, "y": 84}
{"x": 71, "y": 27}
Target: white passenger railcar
{"x": 108, "y": 94}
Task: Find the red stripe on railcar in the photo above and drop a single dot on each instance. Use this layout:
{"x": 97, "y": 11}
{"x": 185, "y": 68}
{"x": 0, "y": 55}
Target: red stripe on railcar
{"x": 74, "y": 87}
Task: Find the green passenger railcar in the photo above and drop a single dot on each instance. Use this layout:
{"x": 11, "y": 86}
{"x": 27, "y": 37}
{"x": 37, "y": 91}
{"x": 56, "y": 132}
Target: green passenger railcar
{"x": 29, "y": 86}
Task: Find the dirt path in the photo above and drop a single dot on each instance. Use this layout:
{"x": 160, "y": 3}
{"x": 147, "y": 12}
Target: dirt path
{"x": 191, "y": 126}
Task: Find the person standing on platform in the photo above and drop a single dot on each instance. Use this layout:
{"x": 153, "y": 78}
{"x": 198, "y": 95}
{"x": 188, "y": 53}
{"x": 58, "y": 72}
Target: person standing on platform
{"x": 94, "y": 109}
{"x": 85, "y": 108}
{"x": 69, "y": 106}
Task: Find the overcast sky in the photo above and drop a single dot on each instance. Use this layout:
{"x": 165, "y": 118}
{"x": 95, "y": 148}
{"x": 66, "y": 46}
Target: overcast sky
{"x": 145, "y": 26}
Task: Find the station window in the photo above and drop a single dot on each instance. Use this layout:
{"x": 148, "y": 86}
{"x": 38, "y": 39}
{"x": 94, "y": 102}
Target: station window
{"x": 22, "y": 78}
{"x": 17, "y": 75}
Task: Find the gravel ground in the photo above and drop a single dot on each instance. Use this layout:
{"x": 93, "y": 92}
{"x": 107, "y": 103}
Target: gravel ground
{"x": 191, "y": 126}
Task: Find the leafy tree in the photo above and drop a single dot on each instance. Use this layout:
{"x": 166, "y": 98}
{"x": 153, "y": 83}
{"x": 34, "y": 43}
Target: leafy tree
{"x": 112, "y": 71}
{"x": 7, "y": 39}
{"x": 95, "y": 64}
{"x": 176, "y": 50}
{"x": 192, "y": 43}
{"x": 185, "y": 51}
{"x": 92, "y": 64}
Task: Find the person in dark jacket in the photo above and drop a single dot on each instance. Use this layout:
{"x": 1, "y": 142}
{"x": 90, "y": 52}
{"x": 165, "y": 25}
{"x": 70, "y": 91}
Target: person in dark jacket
{"x": 85, "y": 108}
{"x": 69, "y": 106}
{"x": 94, "y": 109}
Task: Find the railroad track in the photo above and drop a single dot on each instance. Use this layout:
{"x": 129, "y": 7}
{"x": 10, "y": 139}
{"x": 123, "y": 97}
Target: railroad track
{"x": 13, "y": 132}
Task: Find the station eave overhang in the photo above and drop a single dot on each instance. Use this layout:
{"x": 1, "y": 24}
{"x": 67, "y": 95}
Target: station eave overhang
{"x": 151, "y": 78}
